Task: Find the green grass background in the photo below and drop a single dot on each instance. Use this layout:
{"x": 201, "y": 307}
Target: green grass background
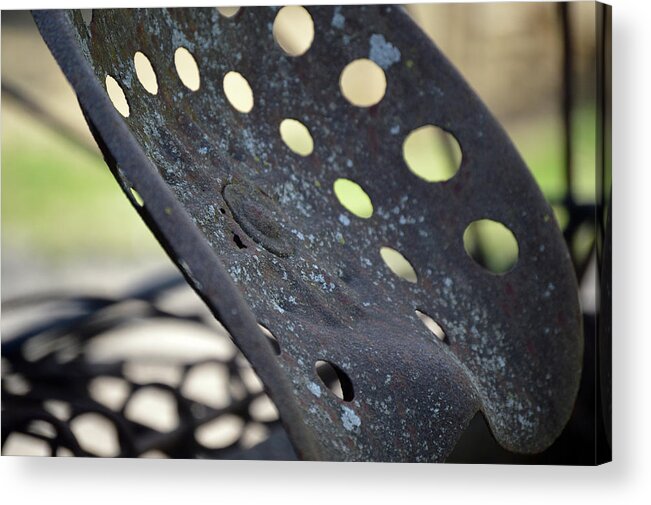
{"x": 59, "y": 200}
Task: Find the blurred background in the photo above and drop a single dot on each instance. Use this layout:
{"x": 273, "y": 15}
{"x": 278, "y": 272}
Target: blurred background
{"x": 68, "y": 229}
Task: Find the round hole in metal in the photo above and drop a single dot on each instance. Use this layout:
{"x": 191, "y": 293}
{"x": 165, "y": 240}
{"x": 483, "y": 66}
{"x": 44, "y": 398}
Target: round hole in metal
{"x": 145, "y": 72}
{"x": 238, "y": 92}
{"x": 296, "y": 136}
{"x": 207, "y": 383}
{"x": 19, "y": 444}
{"x": 58, "y": 408}
{"x": 293, "y": 30}
{"x": 353, "y": 198}
{"x": 187, "y": 69}
{"x": 263, "y": 410}
{"x": 154, "y": 407}
{"x": 117, "y": 96}
{"x": 492, "y": 245}
{"x": 224, "y": 431}
{"x": 432, "y": 153}
{"x": 272, "y": 339}
{"x": 335, "y": 379}
{"x": 96, "y": 434}
{"x": 561, "y": 215}
{"x": 363, "y": 83}
{"x": 254, "y": 434}
{"x": 432, "y": 325}
{"x": 109, "y": 391}
{"x": 64, "y": 452}
{"x": 398, "y": 264}
{"x": 16, "y": 384}
{"x": 228, "y": 12}
{"x": 143, "y": 372}
{"x": 42, "y": 428}
{"x": 154, "y": 454}
{"x": 137, "y": 198}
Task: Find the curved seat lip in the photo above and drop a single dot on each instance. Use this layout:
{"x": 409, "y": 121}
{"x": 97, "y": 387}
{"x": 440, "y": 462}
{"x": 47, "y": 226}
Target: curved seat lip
{"x": 205, "y": 271}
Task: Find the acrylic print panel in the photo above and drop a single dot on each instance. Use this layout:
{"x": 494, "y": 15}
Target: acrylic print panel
{"x": 342, "y": 233}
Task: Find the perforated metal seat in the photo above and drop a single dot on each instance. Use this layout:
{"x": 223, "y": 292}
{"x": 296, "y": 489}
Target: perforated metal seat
{"x": 261, "y": 234}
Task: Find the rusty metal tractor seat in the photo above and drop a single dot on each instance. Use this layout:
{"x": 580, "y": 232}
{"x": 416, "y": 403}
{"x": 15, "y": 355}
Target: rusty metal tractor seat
{"x": 265, "y": 234}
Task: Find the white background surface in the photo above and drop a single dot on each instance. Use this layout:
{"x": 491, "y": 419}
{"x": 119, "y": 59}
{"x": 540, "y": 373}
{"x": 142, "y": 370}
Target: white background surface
{"x": 627, "y": 480}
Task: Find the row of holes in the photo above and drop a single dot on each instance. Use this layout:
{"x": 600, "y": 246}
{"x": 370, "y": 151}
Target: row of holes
{"x": 429, "y": 152}
{"x": 236, "y": 88}
{"x": 333, "y": 377}
{"x": 293, "y": 30}
{"x": 489, "y": 243}
{"x": 362, "y": 81}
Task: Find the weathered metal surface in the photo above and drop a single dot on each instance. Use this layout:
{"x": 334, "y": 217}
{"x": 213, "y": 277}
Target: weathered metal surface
{"x": 310, "y": 271}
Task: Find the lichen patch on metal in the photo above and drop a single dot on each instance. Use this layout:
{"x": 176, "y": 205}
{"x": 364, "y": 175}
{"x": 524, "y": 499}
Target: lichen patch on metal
{"x": 382, "y": 52}
{"x": 349, "y": 419}
{"x": 314, "y": 388}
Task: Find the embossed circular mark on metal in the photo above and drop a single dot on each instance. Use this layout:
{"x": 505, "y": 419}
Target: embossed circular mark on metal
{"x": 260, "y": 218}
